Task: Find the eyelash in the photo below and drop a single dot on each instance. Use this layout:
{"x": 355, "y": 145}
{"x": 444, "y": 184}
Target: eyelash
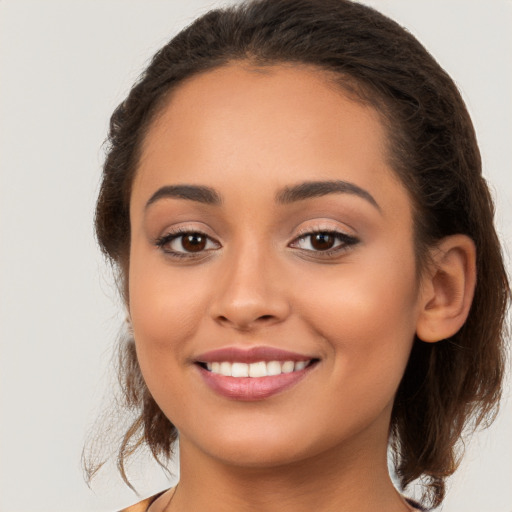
{"x": 345, "y": 240}
{"x": 166, "y": 239}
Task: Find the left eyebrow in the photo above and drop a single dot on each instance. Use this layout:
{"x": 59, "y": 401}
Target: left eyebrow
{"x": 311, "y": 189}
{"x": 199, "y": 193}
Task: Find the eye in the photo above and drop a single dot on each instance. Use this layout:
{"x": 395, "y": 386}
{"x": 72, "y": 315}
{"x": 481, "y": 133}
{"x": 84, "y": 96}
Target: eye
{"x": 324, "y": 241}
{"x": 185, "y": 243}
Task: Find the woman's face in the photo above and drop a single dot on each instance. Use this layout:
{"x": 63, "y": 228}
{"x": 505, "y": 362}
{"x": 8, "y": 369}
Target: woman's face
{"x": 271, "y": 238}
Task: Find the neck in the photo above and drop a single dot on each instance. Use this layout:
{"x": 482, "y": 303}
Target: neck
{"x": 345, "y": 478}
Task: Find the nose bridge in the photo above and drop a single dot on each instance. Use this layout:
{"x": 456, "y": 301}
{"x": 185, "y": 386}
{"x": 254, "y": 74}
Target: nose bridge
{"x": 250, "y": 290}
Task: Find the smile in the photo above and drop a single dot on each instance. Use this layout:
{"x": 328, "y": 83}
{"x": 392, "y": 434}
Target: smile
{"x": 256, "y": 370}
{"x": 253, "y": 374}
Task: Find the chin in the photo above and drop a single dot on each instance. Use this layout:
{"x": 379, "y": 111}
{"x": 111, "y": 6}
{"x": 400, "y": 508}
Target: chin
{"x": 257, "y": 447}
{"x": 259, "y": 455}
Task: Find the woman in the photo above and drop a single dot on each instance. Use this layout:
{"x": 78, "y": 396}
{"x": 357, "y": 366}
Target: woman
{"x": 293, "y": 198}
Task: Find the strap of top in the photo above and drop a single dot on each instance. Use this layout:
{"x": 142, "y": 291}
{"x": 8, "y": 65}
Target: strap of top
{"x": 143, "y": 505}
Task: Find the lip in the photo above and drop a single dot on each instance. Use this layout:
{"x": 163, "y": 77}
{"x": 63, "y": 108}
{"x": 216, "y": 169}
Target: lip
{"x": 251, "y": 355}
{"x": 252, "y": 389}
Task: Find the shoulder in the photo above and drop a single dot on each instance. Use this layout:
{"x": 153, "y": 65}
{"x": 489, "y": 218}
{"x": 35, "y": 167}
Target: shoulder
{"x": 142, "y": 506}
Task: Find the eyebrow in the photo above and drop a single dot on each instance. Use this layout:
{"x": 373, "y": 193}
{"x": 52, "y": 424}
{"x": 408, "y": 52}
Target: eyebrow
{"x": 287, "y": 195}
{"x": 199, "y": 193}
{"x": 311, "y": 189}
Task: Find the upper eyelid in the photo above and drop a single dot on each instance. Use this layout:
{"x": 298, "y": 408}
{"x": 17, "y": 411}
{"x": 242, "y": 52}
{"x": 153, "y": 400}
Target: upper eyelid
{"x": 183, "y": 228}
{"x": 324, "y": 228}
{"x": 320, "y": 229}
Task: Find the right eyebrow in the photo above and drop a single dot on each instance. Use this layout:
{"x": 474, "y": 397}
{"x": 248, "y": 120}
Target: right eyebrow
{"x": 310, "y": 189}
{"x": 199, "y": 193}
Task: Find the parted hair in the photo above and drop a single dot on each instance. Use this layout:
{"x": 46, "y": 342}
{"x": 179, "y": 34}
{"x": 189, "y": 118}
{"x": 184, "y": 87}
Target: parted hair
{"x": 449, "y": 387}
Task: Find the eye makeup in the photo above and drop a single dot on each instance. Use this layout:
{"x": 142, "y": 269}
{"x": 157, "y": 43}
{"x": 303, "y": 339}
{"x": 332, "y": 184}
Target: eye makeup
{"x": 185, "y": 242}
{"x": 189, "y": 243}
{"x": 324, "y": 242}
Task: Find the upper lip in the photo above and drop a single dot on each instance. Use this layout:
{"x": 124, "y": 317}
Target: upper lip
{"x": 250, "y": 355}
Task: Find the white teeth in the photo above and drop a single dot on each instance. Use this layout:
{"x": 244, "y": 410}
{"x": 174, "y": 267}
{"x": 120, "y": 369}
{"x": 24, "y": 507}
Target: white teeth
{"x": 300, "y": 365}
{"x": 239, "y": 370}
{"x": 225, "y": 369}
{"x": 288, "y": 367}
{"x": 259, "y": 369}
{"x": 274, "y": 368}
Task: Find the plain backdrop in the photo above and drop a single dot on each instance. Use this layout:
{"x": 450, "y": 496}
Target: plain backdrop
{"x": 64, "y": 66}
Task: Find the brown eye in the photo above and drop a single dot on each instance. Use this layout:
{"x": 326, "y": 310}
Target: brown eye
{"x": 193, "y": 242}
{"x": 186, "y": 243}
{"x": 322, "y": 241}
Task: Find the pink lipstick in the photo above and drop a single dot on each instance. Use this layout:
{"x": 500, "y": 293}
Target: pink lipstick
{"x": 253, "y": 374}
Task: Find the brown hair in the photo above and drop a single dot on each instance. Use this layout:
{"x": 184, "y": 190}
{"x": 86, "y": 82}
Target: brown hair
{"x": 447, "y": 386}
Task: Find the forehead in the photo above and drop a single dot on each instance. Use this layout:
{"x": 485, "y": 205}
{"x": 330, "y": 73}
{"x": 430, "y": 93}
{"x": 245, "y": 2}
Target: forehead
{"x": 266, "y": 98}
{"x": 238, "y": 124}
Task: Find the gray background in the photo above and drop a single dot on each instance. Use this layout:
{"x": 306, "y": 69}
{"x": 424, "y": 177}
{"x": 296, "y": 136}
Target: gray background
{"x": 64, "y": 66}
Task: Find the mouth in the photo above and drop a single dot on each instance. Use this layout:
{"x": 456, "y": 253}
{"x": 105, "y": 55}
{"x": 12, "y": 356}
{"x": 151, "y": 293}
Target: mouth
{"x": 256, "y": 370}
{"x": 253, "y": 374}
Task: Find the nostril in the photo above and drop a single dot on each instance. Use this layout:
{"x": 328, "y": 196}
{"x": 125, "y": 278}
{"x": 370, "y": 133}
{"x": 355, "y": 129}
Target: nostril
{"x": 245, "y": 323}
{"x": 223, "y": 319}
{"x": 242, "y": 313}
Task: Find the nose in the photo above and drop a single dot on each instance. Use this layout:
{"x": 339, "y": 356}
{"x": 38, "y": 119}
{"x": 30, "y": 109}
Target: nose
{"x": 251, "y": 292}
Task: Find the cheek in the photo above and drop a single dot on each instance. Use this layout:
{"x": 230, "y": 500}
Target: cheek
{"x": 367, "y": 312}
{"x": 163, "y": 320}
{"x": 164, "y": 310}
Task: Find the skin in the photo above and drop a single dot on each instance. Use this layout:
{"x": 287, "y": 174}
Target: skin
{"x": 248, "y": 133}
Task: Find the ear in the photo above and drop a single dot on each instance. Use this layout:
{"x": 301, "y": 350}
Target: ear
{"x": 447, "y": 289}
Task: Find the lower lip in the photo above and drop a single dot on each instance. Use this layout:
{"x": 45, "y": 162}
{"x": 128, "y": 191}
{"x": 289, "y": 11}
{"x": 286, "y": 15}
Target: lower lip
{"x": 250, "y": 389}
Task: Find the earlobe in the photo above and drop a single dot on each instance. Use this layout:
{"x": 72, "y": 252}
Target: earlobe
{"x": 447, "y": 289}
